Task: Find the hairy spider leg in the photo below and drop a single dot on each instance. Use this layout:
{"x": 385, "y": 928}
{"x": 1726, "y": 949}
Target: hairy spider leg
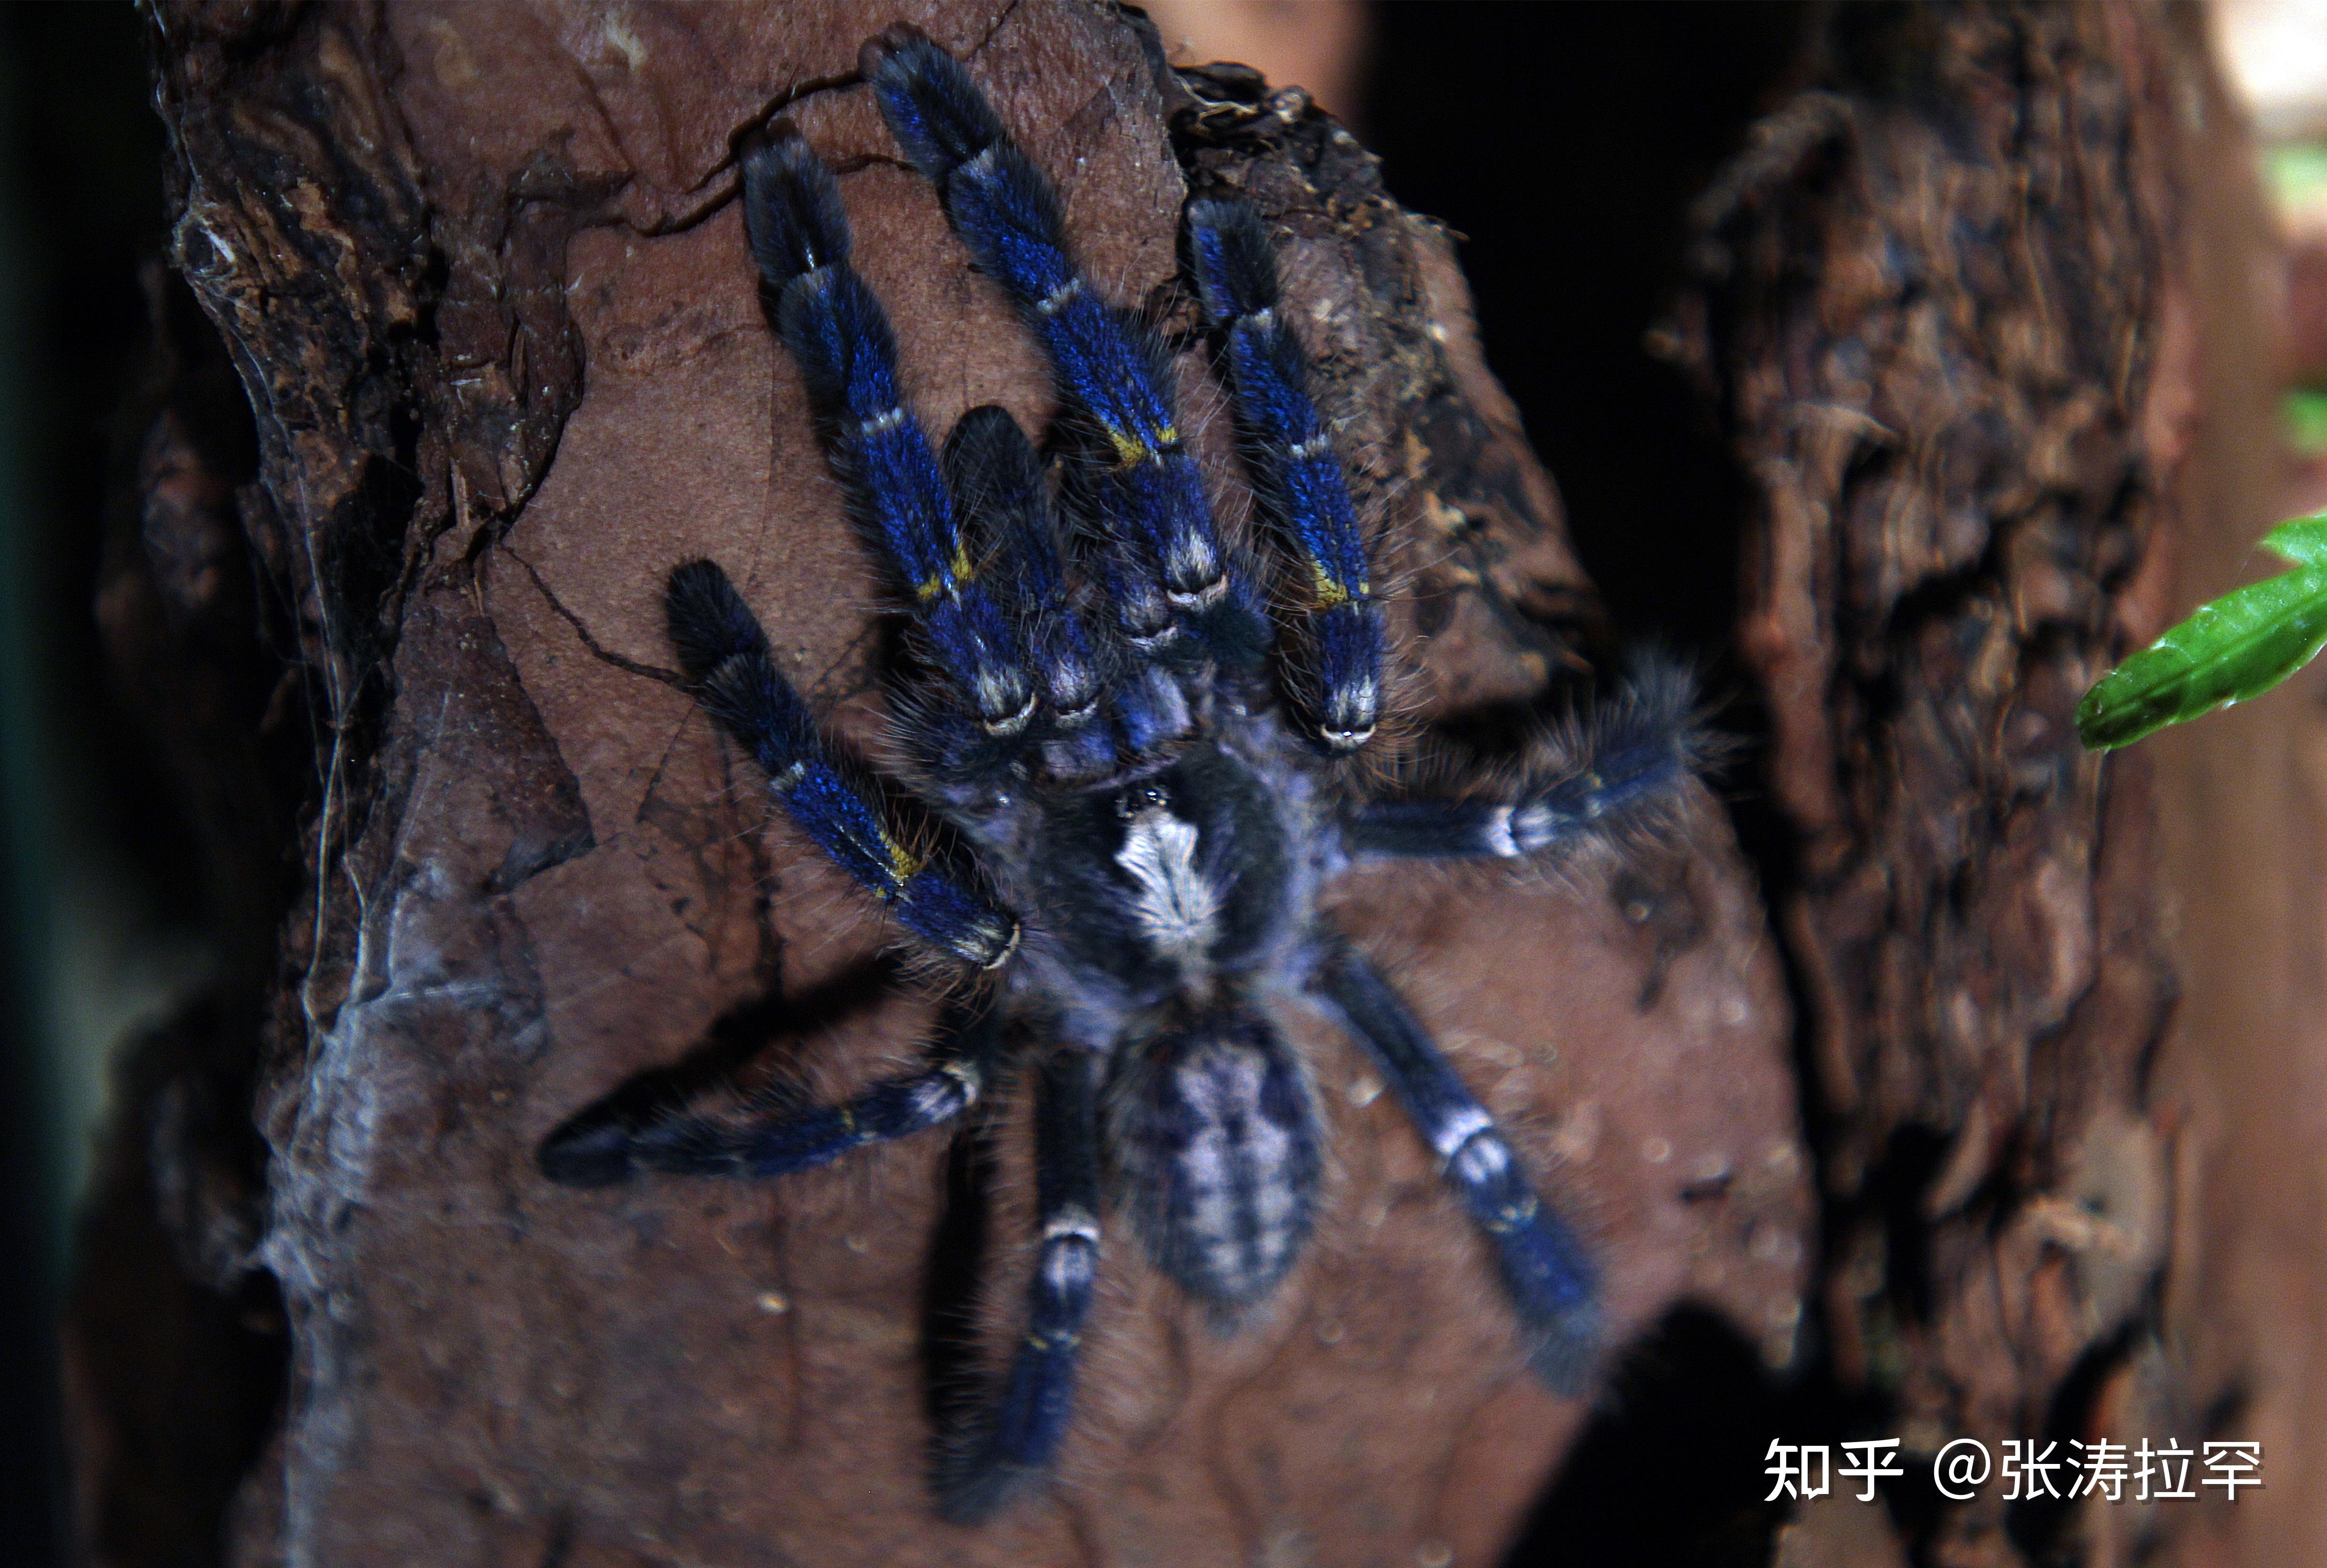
{"x": 1016, "y": 1437}
{"x": 1627, "y": 763}
{"x": 724, "y": 653}
{"x": 840, "y": 338}
{"x": 1111, "y": 374}
{"x": 964, "y": 1055}
{"x": 996, "y": 481}
{"x": 1553, "y": 1284}
{"x": 1300, "y": 478}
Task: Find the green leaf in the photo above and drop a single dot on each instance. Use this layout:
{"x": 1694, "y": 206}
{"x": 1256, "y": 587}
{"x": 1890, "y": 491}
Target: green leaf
{"x": 2241, "y": 644}
{"x": 2303, "y": 541}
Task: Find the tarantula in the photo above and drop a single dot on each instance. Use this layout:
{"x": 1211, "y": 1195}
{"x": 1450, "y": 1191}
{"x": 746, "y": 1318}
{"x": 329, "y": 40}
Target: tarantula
{"x": 1136, "y": 796}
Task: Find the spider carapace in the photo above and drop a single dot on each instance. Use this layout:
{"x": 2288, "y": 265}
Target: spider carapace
{"x": 1127, "y": 787}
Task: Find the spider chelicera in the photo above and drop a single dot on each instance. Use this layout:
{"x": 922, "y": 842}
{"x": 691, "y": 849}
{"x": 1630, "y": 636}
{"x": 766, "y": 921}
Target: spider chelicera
{"x": 1128, "y": 782}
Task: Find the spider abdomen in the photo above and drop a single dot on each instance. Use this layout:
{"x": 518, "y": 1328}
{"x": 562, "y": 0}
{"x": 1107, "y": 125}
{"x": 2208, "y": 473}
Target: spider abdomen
{"x": 1216, "y": 1144}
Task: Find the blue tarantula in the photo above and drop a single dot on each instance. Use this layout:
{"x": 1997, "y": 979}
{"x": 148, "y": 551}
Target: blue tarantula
{"x": 1134, "y": 818}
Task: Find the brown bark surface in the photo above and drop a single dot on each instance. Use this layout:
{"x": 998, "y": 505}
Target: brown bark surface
{"x": 482, "y": 273}
{"x": 1938, "y": 311}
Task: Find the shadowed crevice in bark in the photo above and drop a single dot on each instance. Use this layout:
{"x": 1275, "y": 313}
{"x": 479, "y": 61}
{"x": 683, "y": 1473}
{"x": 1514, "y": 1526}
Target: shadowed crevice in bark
{"x": 1668, "y": 1473}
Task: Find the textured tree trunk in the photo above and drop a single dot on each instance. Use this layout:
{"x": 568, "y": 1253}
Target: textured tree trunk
{"x": 1950, "y": 311}
{"x": 480, "y": 276}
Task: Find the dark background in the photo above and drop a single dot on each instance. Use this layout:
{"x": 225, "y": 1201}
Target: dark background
{"x": 1563, "y": 142}
{"x": 95, "y": 885}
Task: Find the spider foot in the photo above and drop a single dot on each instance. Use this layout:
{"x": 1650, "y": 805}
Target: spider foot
{"x": 1564, "y": 1353}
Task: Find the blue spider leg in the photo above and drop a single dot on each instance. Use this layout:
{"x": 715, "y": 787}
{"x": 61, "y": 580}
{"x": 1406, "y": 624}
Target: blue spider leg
{"x": 1015, "y": 1438}
{"x": 1552, "y": 1282}
{"x": 996, "y": 481}
{"x": 1630, "y": 760}
{"x": 724, "y": 653}
{"x": 961, "y": 1058}
{"x": 1301, "y": 480}
{"x": 840, "y": 338}
{"x": 1110, "y": 373}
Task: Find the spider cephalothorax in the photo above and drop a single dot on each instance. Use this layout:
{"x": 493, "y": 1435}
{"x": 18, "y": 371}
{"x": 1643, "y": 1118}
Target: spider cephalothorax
{"x": 1135, "y": 819}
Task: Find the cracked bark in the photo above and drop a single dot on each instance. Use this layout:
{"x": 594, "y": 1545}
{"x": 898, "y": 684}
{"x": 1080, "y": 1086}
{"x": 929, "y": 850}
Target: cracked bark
{"x": 480, "y": 274}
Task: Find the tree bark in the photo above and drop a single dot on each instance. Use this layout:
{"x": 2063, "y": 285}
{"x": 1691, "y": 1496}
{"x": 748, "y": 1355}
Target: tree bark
{"x": 1945, "y": 316}
{"x": 482, "y": 275}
